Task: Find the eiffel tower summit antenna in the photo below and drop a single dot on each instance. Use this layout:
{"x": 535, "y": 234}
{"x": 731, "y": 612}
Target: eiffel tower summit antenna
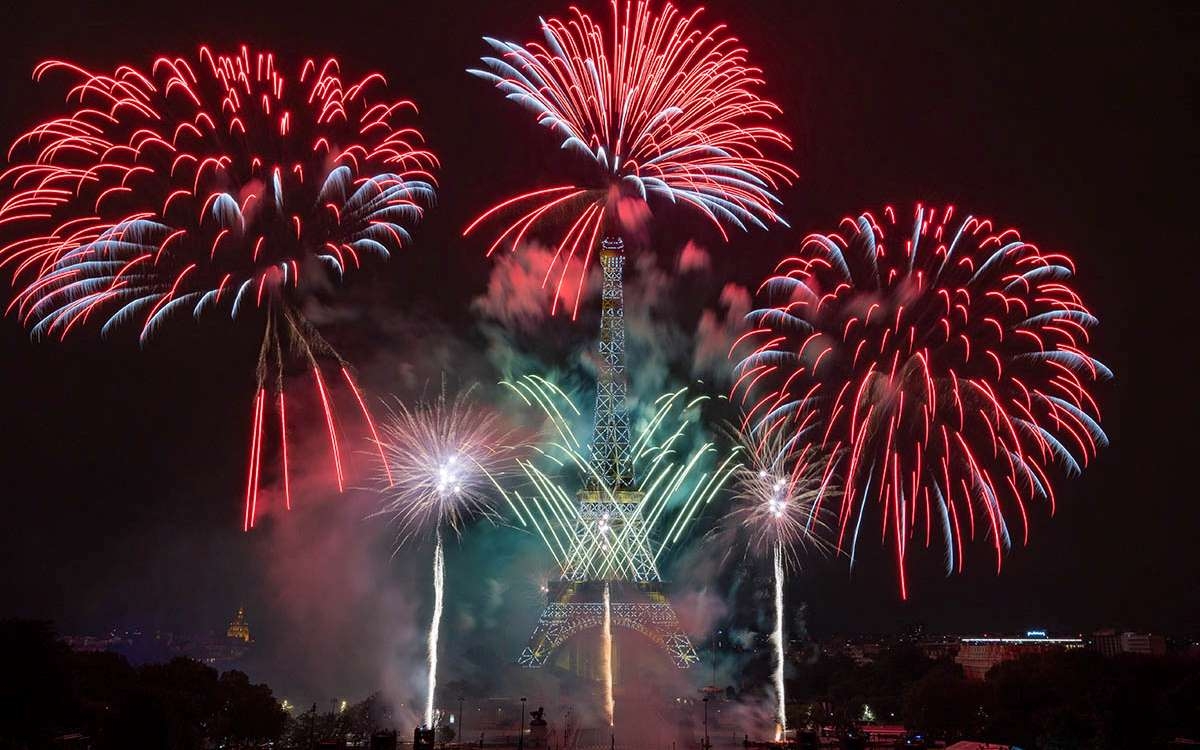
{"x": 609, "y": 545}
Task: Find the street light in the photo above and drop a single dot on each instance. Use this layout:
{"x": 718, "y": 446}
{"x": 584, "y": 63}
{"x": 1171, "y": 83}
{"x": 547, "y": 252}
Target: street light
{"x": 706, "y": 744}
{"x": 521, "y": 736}
{"x": 462, "y": 732}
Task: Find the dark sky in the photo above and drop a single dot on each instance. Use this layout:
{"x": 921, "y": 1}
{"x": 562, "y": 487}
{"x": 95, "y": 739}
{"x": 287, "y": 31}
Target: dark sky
{"x": 122, "y": 469}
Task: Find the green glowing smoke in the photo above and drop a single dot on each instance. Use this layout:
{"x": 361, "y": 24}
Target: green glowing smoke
{"x": 678, "y": 472}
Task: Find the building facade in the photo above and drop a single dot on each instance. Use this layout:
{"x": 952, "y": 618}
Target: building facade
{"x": 978, "y": 655}
{"x": 1112, "y": 643}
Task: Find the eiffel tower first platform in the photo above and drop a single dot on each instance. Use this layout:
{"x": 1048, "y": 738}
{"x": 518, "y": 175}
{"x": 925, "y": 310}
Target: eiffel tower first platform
{"x": 609, "y": 546}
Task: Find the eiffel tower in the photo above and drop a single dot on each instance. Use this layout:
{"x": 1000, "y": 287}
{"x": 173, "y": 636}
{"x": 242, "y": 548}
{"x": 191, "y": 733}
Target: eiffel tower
{"x": 609, "y": 546}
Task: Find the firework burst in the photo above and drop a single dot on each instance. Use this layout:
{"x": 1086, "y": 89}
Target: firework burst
{"x": 942, "y": 361}
{"x": 780, "y": 499}
{"x": 221, "y": 183}
{"x": 658, "y": 106}
{"x": 442, "y": 464}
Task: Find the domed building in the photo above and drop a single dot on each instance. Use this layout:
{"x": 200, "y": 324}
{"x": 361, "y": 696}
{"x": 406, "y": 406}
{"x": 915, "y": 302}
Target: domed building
{"x": 238, "y": 628}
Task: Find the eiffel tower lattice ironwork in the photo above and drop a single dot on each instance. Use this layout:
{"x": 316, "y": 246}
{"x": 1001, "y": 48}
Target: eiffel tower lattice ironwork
{"x": 609, "y": 546}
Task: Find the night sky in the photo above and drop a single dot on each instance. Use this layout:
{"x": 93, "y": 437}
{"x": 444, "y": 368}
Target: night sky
{"x": 123, "y": 468}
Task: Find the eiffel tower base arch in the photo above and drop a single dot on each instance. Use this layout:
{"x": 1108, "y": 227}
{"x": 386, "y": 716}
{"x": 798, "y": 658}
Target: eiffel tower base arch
{"x": 573, "y": 608}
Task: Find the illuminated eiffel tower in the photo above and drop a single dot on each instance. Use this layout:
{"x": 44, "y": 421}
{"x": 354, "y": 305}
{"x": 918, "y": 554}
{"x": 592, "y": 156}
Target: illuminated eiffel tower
{"x": 610, "y": 545}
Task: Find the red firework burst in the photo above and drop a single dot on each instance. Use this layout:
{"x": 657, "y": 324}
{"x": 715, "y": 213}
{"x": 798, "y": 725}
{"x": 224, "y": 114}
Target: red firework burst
{"x": 223, "y": 182}
{"x": 944, "y": 363}
{"x": 659, "y": 107}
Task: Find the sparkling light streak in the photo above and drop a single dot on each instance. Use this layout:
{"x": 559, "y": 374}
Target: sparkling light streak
{"x": 660, "y": 107}
{"x": 942, "y": 362}
{"x": 435, "y": 626}
{"x": 777, "y": 641}
{"x": 232, "y": 182}
{"x": 606, "y": 657}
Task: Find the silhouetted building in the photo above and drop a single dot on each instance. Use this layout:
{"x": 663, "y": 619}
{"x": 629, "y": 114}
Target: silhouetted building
{"x": 114, "y": 641}
{"x": 1111, "y": 643}
{"x": 217, "y": 649}
{"x": 978, "y": 655}
{"x": 859, "y": 649}
{"x": 939, "y": 647}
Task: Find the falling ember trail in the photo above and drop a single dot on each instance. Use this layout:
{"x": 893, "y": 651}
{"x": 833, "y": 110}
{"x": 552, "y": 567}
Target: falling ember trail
{"x": 370, "y": 424}
{"x": 439, "y": 574}
{"x": 254, "y": 464}
{"x": 333, "y": 439}
{"x": 606, "y": 657}
{"x": 777, "y": 636}
{"x": 287, "y": 486}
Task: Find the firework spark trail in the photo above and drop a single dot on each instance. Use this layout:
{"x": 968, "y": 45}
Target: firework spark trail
{"x": 779, "y": 509}
{"x": 232, "y": 182}
{"x": 362, "y": 406}
{"x": 606, "y": 658}
{"x": 777, "y": 638}
{"x": 658, "y": 107}
{"x": 942, "y": 363}
{"x": 333, "y": 438}
{"x": 675, "y": 485}
{"x": 435, "y": 626}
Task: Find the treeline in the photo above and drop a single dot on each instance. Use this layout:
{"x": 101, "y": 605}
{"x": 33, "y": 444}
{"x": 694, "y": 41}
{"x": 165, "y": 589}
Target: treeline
{"x": 1069, "y": 699}
{"x": 51, "y": 696}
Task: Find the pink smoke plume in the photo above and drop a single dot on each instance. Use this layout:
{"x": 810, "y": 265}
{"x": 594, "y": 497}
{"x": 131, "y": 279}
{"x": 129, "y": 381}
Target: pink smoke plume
{"x": 718, "y": 329}
{"x": 693, "y": 258}
{"x": 521, "y": 287}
